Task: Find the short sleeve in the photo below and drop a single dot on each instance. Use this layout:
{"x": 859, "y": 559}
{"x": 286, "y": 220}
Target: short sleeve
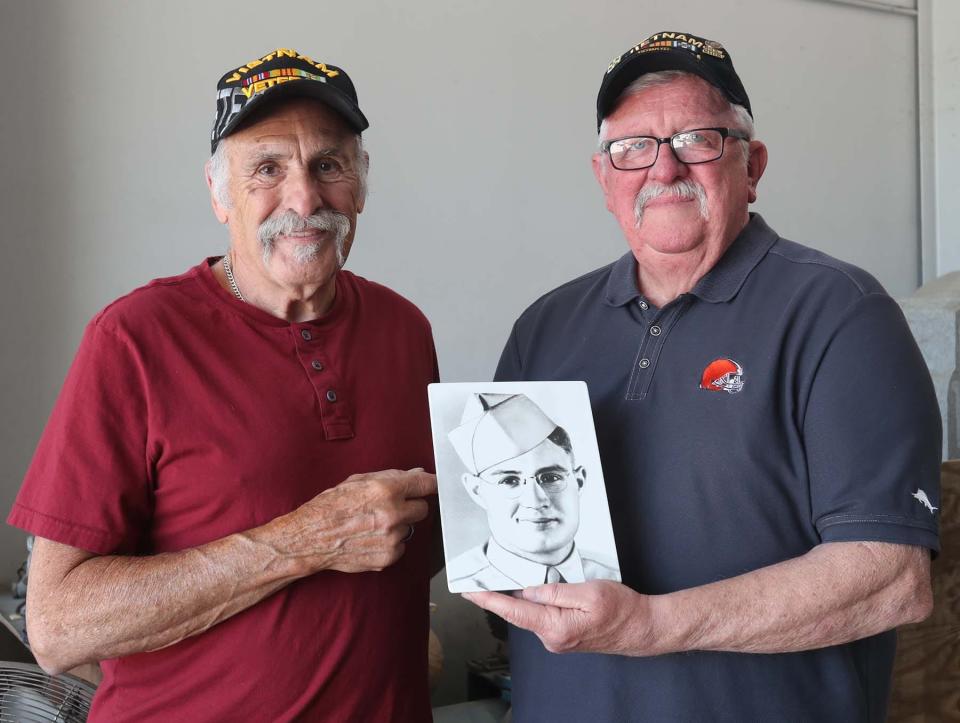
{"x": 872, "y": 432}
{"x": 510, "y": 368}
{"x": 88, "y": 484}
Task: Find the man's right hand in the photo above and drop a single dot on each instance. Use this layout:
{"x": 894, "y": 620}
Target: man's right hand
{"x": 85, "y": 607}
{"x": 357, "y": 526}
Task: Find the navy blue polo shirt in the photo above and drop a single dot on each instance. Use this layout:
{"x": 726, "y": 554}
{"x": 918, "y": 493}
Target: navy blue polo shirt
{"x": 779, "y": 404}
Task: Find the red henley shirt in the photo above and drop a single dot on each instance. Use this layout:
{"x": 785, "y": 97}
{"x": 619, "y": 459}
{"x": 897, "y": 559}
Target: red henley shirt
{"x": 189, "y": 415}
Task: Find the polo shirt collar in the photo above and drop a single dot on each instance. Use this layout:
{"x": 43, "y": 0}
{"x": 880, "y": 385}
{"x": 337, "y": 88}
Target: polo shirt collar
{"x": 719, "y": 284}
{"x": 723, "y": 281}
{"x": 622, "y": 287}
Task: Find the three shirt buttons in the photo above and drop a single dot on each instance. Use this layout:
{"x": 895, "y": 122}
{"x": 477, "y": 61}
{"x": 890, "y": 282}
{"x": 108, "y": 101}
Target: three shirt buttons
{"x": 317, "y": 365}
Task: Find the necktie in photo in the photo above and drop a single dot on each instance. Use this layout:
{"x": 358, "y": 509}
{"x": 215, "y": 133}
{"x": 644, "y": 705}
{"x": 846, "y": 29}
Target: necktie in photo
{"x": 553, "y": 575}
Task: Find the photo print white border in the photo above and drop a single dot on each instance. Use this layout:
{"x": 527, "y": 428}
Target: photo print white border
{"x": 464, "y": 522}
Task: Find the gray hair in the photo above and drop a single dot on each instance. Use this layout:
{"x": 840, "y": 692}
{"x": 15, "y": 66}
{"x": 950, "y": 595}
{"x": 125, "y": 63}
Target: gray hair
{"x": 219, "y": 169}
{"x": 741, "y": 117}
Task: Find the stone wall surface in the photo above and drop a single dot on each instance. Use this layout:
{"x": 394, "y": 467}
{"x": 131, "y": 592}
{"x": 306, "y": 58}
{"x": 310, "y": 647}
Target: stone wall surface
{"x": 933, "y": 313}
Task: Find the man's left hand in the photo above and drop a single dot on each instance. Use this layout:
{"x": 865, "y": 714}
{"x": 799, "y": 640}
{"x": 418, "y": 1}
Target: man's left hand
{"x": 599, "y": 616}
{"x": 835, "y": 593}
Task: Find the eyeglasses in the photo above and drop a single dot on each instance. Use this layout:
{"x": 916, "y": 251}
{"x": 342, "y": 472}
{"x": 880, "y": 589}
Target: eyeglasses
{"x": 551, "y": 481}
{"x": 698, "y": 145}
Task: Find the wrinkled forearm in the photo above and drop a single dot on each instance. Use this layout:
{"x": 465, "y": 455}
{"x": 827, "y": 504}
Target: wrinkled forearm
{"x": 109, "y": 606}
{"x": 82, "y": 607}
{"x": 836, "y": 593}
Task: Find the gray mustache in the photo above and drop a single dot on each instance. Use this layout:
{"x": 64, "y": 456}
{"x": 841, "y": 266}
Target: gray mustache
{"x": 680, "y": 189}
{"x": 291, "y": 222}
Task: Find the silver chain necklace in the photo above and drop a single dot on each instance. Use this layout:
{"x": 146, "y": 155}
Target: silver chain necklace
{"x": 233, "y": 282}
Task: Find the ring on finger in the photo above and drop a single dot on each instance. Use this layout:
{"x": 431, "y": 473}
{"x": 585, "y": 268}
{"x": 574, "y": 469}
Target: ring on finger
{"x": 409, "y": 535}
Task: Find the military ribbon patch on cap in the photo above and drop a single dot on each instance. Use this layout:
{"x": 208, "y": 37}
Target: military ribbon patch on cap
{"x": 674, "y": 41}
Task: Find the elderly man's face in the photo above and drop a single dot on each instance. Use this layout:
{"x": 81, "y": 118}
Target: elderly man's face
{"x": 299, "y": 160}
{"x": 527, "y": 511}
{"x": 670, "y": 225}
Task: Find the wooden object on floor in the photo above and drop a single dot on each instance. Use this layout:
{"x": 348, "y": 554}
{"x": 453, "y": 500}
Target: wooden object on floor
{"x": 926, "y": 675}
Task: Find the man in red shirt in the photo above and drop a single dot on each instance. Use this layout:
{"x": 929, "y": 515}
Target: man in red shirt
{"x": 210, "y": 522}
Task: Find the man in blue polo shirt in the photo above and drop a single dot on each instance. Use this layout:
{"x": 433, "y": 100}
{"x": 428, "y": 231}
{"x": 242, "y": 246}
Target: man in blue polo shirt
{"x": 766, "y": 425}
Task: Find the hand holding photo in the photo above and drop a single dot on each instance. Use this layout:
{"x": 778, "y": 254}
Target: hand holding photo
{"x": 522, "y": 499}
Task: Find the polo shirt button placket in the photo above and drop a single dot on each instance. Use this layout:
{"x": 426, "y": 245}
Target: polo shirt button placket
{"x": 644, "y": 363}
{"x": 655, "y": 330}
{"x": 317, "y": 365}
{"x": 305, "y": 333}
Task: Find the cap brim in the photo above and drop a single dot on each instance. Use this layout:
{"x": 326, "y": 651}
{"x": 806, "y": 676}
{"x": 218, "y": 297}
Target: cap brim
{"x": 326, "y": 94}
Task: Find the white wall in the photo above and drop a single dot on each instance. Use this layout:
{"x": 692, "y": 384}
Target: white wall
{"x": 482, "y": 124}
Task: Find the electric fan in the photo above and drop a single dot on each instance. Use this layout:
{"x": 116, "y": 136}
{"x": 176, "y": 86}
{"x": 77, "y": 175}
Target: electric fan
{"x": 28, "y": 695}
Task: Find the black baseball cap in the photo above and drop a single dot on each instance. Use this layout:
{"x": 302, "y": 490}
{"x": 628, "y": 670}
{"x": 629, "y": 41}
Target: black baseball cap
{"x": 671, "y": 51}
{"x": 280, "y": 74}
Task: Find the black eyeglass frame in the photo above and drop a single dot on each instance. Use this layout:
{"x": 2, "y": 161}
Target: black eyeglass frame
{"x": 724, "y": 134}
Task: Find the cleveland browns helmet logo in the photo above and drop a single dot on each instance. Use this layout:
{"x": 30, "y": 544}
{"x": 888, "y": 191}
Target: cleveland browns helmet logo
{"x": 722, "y": 375}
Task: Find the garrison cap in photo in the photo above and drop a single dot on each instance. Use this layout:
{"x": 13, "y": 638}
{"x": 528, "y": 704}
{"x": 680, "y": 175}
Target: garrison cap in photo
{"x": 671, "y": 51}
{"x": 498, "y": 427}
{"x": 280, "y": 74}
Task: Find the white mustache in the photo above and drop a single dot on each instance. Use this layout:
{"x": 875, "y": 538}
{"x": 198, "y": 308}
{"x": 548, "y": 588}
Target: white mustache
{"x": 289, "y": 222}
{"x": 684, "y": 188}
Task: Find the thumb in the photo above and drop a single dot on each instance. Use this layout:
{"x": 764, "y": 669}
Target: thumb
{"x": 561, "y": 595}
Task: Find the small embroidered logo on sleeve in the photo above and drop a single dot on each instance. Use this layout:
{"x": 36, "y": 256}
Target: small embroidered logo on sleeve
{"x": 921, "y": 497}
{"x": 722, "y": 375}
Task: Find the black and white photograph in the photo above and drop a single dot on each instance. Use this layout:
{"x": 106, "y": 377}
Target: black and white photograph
{"x": 522, "y": 497}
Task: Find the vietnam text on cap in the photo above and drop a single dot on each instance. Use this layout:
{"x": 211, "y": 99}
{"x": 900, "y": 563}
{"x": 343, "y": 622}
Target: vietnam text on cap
{"x": 282, "y": 73}
{"x": 671, "y": 51}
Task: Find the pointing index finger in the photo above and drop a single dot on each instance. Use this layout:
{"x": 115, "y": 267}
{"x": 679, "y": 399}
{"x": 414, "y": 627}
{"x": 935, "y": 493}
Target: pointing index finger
{"x": 419, "y": 483}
